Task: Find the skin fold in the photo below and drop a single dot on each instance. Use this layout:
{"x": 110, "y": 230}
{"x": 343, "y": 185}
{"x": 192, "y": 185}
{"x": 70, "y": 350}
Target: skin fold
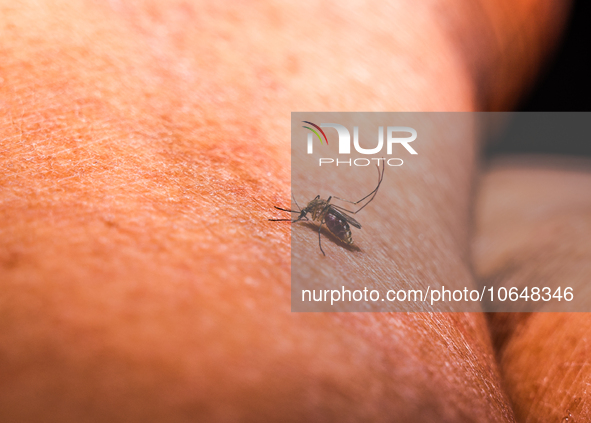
{"x": 533, "y": 227}
{"x": 143, "y": 146}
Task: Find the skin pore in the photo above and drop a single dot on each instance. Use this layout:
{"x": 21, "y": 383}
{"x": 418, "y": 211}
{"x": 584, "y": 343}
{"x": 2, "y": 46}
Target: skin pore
{"x": 143, "y": 147}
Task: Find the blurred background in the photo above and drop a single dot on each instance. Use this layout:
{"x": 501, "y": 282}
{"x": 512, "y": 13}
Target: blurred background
{"x": 563, "y": 86}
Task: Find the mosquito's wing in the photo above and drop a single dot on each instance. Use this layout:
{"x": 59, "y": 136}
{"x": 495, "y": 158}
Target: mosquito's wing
{"x": 345, "y": 217}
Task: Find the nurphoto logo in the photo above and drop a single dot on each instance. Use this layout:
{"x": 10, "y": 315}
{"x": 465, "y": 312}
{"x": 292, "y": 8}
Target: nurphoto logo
{"x": 345, "y": 143}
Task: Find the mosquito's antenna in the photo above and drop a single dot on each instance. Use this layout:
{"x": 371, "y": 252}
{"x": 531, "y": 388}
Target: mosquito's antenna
{"x": 302, "y": 215}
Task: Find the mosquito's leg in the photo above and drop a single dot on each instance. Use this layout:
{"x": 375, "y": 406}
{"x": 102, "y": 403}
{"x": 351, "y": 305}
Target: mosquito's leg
{"x": 380, "y": 178}
{"x": 339, "y": 208}
{"x": 287, "y": 210}
{"x": 319, "y": 241}
{"x": 374, "y": 192}
{"x": 296, "y": 203}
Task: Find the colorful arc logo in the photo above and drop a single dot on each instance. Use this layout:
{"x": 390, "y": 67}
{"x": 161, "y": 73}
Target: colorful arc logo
{"x": 317, "y": 134}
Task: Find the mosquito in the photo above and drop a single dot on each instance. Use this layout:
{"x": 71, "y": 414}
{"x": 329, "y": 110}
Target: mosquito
{"x": 336, "y": 218}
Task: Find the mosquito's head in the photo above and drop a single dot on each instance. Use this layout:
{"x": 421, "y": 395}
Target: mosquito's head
{"x": 303, "y": 214}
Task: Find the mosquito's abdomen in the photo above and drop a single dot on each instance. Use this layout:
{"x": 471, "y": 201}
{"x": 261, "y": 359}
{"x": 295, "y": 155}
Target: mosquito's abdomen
{"x": 338, "y": 227}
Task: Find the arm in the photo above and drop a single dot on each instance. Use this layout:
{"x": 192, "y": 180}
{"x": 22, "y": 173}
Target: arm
{"x": 143, "y": 146}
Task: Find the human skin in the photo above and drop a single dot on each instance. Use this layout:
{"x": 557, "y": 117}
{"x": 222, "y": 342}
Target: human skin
{"x": 143, "y": 147}
{"x": 533, "y": 228}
